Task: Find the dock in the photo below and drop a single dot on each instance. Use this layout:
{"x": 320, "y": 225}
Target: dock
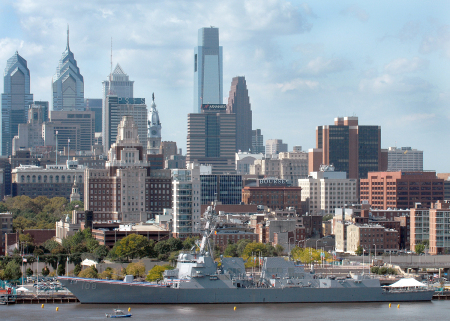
{"x": 42, "y": 299}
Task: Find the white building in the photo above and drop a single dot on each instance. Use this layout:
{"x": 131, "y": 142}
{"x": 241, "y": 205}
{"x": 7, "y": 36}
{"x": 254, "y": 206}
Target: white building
{"x": 154, "y": 129}
{"x": 186, "y": 201}
{"x": 405, "y": 159}
{"x": 326, "y": 190}
{"x": 244, "y": 160}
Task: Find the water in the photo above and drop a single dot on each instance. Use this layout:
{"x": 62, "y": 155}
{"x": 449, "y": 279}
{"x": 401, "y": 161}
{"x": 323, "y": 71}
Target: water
{"x": 435, "y": 310}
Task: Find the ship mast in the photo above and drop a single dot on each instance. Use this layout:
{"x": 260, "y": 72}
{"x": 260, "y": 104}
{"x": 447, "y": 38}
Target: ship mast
{"x": 210, "y": 228}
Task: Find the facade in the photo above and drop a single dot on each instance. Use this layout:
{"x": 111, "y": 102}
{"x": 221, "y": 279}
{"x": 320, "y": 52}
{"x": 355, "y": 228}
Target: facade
{"x": 258, "y": 142}
{"x": 52, "y": 181}
{"x": 372, "y": 238}
{"x": 419, "y": 225}
{"x": 154, "y": 130}
{"x": 239, "y": 104}
{"x": 16, "y": 99}
{"x": 326, "y": 190}
{"x": 401, "y": 189}
{"x": 68, "y": 83}
{"x": 118, "y": 84}
{"x": 95, "y": 105}
{"x": 45, "y": 109}
{"x": 116, "y": 109}
{"x": 175, "y": 161}
{"x": 404, "y": 159}
{"x": 439, "y": 241}
{"x": 211, "y": 139}
{"x": 244, "y": 160}
{"x": 208, "y": 69}
{"x": 74, "y": 130}
{"x": 349, "y": 147}
{"x": 168, "y": 149}
{"x": 226, "y": 189}
{"x": 6, "y": 220}
{"x": 273, "y": 196}
{"x": 186, "y": 201}
{"x": 274, "y": 147}
{"x": 126, "y": 189}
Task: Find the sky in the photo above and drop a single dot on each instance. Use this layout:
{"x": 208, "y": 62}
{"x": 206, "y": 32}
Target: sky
{"x": 305, "y": 62}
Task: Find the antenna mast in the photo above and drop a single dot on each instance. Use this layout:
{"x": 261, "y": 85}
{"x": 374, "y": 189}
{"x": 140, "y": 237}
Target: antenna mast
{"x": 110, "y": 73}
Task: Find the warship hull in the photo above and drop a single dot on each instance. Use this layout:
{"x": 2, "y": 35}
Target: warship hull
{"x": 92, "y": 291}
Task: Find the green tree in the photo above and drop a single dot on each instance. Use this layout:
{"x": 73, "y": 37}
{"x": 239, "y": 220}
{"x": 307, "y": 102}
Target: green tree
{"x": 419, "y": 248}
{"x": 77, "y": 269}
{"x": 12, "y": 271}
{"x": 359, "y": 250}
{"x": 90, "y": 273}
{"x": 231, "y": 250}
{"x": 3, "y": 208}
{"x": 175, "y": 244}
{"x": 45, "y": 271}
{"x": 61, "y": 270}
{"x": 156, "y": 273}
{"x": 29, "y": 272}
{"x": 189, "y": 242}
{"x": 136, "y": 269}
{"x": 132, "y": 246}
{"x": 162, "y": 247}
{"x": 241, "y": 244}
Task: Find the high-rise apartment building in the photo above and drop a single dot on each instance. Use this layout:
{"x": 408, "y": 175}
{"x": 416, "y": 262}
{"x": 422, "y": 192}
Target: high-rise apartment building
{"x": 116, "y": 109}
{"x": 239, "y": 104}
{"x": 68, "y": 83}
{"x": 211, "y": 139}
{"x": 400, "y": 189}
{"x": 258, "y": 142}
{"x": 154, "y": 129}
{"x": 208, "y": 65}
{"x": 349, "y": 147}
{"x": 16, "y": 99}
{"x": 404, "y": 159}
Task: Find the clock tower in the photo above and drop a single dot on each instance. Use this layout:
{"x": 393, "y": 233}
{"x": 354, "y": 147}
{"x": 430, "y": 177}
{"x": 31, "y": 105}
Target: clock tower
{"x": 154, "y": 129}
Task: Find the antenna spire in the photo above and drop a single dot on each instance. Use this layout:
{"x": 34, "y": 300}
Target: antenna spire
{"x": 68, "y": 48}
{"x": 110, "y": 73}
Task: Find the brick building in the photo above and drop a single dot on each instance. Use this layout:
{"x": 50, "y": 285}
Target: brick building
{"x": 385, "y": 190}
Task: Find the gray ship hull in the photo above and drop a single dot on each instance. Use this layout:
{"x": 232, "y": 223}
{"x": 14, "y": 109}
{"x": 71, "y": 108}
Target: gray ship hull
{"x": 91, "y": 291}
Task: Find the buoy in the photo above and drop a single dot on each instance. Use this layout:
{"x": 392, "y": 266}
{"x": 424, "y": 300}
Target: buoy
{"x": 57, "y": 309}
{"x": 389, "y": 305}
{"x": 129, "y": 309}
{"x": 234, "y": 308}
{"x": 398, "y": 306}
{"x": 42, "y": 306}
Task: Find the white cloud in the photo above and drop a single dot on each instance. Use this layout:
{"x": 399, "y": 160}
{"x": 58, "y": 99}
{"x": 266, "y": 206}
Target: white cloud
{"x": 299, "y": 84}
{"x": 416, "y": 118}
{"x": 386, "y": 84}
{"x": 404, "y": 65}
{"x": 310, "y": 49}
{"x": 321, "y": 66}
{"x": 357, "y": 12}
{"x": 439, "y": 40}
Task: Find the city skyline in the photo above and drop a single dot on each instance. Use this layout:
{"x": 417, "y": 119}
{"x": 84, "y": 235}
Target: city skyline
{"x": 385, "y": 63}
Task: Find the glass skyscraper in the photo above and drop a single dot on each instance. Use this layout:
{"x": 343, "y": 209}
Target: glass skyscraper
{"x": 68, "y": 83}
{"x": 208, "y": 65}
{"x": 16, "y": 99}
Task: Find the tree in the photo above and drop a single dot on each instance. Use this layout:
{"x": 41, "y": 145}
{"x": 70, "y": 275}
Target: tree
{"x": 419, "y": 248}
{"x": 241, "y": 244}
{"x": 29, "y": 272}
{"x": 12, "y": 271}
{"x": 162, "y": 247}
{"x": 156, "y": 273}
{"x": 175, "y": 244}
{"x": 359, "y": 250}
{"x": 231, "y": 250}
{"x": 90, "y": 273}
{"x": 132, "y": 246}
{"x": 61, "y": 270}
{"x": 189, "y": 243}
{"x": 101, "y": 252}
{"x": 136, "y": 269}
{"x": 77, "y": 269}
{"x": 45, "y": 271}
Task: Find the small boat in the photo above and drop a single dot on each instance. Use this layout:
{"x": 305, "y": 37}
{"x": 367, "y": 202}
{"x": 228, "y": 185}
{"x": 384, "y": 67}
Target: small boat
{"x": 118, "y": 314}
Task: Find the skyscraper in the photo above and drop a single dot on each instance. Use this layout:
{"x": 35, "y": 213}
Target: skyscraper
{"x": 208, "y": 65}
{"x": 258, "y": 142}
{"x": 154, "y": 129}
{"x": 120, "y": 84}
{"x": 68, "y": 83}
{"x": 16, "y": 99}
{"x": 239, "y": 104}
{"x": 349, "y": 147}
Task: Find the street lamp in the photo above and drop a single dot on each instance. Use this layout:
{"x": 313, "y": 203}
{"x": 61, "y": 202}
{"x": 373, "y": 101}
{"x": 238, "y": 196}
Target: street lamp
{"x": 375, "y": 252}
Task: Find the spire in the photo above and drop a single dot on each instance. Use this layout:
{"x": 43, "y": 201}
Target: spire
{"x": 68, "y": 48}
{"x": 153, "y": 96}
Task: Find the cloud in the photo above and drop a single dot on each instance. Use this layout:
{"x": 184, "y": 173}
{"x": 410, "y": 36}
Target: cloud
{"x": 403, "y": 65}
{"x": 299, "y": 84}
{"x": 389, "y": 84}
{"x": 409, "y": 31}
{"x": 439, "y": 40}
{"x": 321, "y": 66}
{"x": 357, "y": 12}
{"x": 308, "y": 11}
{"x": 310, "y": 49}
{"x": 416, "y": 117}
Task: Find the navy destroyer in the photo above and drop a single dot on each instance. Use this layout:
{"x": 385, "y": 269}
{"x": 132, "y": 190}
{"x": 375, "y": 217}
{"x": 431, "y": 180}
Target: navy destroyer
{"x": 197, "y": 279}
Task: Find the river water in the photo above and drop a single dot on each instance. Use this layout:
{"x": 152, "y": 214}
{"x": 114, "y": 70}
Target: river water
{"x": 435, "y": 310}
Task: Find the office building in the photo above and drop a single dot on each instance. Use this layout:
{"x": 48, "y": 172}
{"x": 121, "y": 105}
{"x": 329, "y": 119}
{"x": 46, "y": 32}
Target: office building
{"x": 116, "y": 109}
{"x": 258, "y": 142}
{"x": 29, "y": 135}
{"x": 239, "y": 104}
{"x": 274, "y": 147}
{"x": 95, "y": 105}
{"x": 168, "y": 149}
{"x": 118, "y": 84}
{"x": 68, "y": 83}
{"x": 226, "y": 189}
{"x": 245, "y": 160}
{"x": 154, "y": 129}
{"x": 16, "y": 99}
{"x": 211, "y": 139}
{"x": 326, "y": 190}
{"x": 404, "y": 159}
{"x": 400, "y": 189}
{"x": 349, "y": 147}
{"x": 208, "y": 65}
{"x": 45, "y": 109}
